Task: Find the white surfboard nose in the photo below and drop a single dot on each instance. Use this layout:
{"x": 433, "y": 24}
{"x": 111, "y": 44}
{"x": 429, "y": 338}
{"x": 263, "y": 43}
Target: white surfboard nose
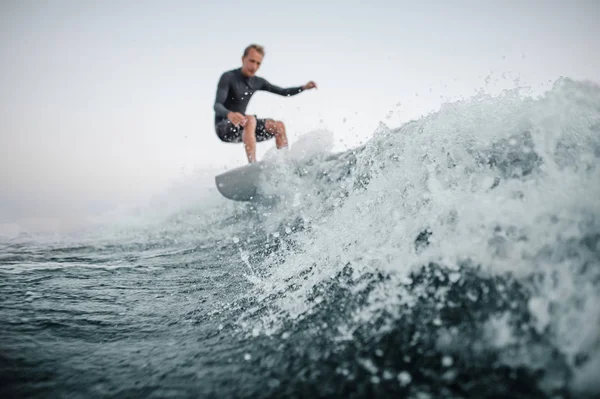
{"x": 240, "y": 184}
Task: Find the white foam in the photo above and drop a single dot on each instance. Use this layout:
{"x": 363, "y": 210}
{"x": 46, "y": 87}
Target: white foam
{"x": 525, "y": 216}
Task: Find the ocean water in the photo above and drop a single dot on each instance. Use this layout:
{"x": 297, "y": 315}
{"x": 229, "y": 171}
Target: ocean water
{"x": 455, "y": 256}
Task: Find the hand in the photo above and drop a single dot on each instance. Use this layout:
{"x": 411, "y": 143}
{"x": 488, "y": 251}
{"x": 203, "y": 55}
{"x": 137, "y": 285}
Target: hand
{"x": 237, "y": 119}
{"x": 310, "y": 85}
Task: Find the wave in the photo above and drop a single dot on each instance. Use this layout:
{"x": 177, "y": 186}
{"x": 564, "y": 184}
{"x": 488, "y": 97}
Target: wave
{"x": 457, "y": 255}
{"x": 476, "y": 228}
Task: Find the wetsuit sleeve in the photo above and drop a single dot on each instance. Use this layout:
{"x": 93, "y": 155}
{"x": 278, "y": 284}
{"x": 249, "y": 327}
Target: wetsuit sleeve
{"x": 222, "y": 91}
{"x": 266, "y": 86}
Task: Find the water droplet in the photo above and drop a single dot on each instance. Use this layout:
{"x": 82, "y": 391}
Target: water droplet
{"x": 404, "y": 378}
{"x": 406, "y": 280}
{"x": 285, "y": 335}
{"x": 255, "y": 332}
{"x": 288, "y": 230}
{"x": 375, "y": 379}
{"x": 379, "y": 352}
{"x": 247, "y": 357}
{"x": 220, "y": 327}
{"x": 454, "y": 277}
{"x": 387, "y": 375}
{"x": 274, "y": 383}
{"x": 276, "y": 235}
{"x": 447, "y": 361}
{"x": 472, "y": 296}
{"x": 437, "y": 322}
{"x": 449, "y": 375}
{"x": 236, "y": 240}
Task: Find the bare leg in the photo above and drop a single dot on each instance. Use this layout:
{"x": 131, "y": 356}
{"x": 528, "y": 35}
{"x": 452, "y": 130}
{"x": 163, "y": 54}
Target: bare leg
{"x": 249, "y": 138}
{"x": 278, "y": 130}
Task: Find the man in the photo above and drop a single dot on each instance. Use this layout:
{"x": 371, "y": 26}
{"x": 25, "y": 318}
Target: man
{"x": 234, "y": 91}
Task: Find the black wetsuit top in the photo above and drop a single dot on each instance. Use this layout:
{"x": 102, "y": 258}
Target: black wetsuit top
{"x": 235, "y": 90}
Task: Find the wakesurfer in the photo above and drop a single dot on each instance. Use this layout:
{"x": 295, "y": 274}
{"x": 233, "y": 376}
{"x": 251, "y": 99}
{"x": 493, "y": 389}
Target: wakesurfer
{"x": 234, "y": 91}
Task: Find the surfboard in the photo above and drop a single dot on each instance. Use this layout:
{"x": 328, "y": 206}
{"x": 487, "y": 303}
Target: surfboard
{"x": 240, "y": 184}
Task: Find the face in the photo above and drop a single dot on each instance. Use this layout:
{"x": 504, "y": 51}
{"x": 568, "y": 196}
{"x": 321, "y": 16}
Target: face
{"x": 251, "y": 63}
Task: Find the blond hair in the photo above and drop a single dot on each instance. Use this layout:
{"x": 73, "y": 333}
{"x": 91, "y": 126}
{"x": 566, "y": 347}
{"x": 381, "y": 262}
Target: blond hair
{"x": 260, "y": 49}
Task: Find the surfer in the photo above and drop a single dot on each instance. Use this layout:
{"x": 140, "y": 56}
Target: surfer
{"x": 234, "y": 91}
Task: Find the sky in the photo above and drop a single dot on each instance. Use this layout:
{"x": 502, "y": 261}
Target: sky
{"x": 109, "y": 102}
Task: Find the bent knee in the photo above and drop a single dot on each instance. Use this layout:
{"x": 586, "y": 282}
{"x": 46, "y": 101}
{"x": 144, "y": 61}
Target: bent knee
{"x": 276, "y": 127}
{"x": 251, "y": 120}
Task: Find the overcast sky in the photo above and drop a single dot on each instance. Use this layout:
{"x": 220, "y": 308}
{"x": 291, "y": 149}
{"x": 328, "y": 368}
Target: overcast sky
{"x": 109, "y": 101}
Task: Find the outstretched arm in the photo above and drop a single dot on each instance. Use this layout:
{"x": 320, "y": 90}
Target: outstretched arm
{"x": 222, "y": 91}
{"x": 267, "y": 86}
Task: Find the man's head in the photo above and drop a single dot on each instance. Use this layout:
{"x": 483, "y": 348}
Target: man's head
{"x": 252, "y": 58}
